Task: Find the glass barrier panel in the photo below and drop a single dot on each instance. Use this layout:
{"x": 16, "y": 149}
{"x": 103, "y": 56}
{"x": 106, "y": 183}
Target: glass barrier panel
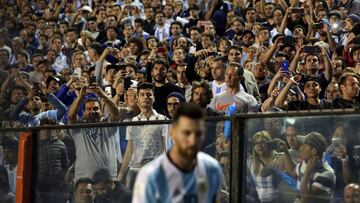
{"x": 103, "y": 163}
{"x": 307, "y": 159}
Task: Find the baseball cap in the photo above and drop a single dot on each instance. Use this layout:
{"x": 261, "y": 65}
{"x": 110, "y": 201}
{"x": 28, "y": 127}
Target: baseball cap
{"x": 177, "y": 95}
{"x": 86, "y": 8}
{"x": 315, "y": 140}
{"x": 50, "y": 78}
{"x": 335, "y": 13}
{"x": 355, "y": 18}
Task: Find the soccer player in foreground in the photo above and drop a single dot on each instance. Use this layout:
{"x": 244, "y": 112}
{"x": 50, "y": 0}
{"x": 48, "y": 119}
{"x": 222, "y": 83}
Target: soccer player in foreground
{"x": 183, "y": 174}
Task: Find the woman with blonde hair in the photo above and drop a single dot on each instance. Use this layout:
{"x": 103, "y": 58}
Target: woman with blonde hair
{"x": 267, "y": 166}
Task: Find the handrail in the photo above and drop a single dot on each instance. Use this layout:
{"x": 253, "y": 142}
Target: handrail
{"x": 103, "y": 124}
{"x": 283, "y": 114}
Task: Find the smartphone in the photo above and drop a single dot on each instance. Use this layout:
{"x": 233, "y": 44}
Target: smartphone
{"x": 77, "y": 72}
{"x": 311, "y": 49}
{"x": 127, "y": 83}
{"x": 93, "y": 81}
{"x": 356, "y": 29}
{"x": 285, "y": 66}
{"x": 280, "y": 85}
{"x": 272, "y": 145}
{"x": 108, "y": 90}
{"x": 288, "y": 40}
{"x": 297, "y": 10}
{"x": 356, "y": 154}
{"x": 317, "y": 26}
{"x": 336, "y": 142}
{"x": 266, "y": 44}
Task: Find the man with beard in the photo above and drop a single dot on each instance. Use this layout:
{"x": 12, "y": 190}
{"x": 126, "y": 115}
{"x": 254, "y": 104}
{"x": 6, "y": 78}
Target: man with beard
{"x": 261, "y": 75}
{"x": 95, "y": 147}
{"x": 235, "y": 30}
{"x": 349, "y": 86}
{"x": 32, "y": 102}
{"x": 107, "y": 190}
{"x": 218, "y": 67}
{"x": 184, "y": 173}
{"x": 202, "y": 95}
{"x": 53, "y": 84}
{"x": 144, "y": 142}
{"x": 162, "y": 87}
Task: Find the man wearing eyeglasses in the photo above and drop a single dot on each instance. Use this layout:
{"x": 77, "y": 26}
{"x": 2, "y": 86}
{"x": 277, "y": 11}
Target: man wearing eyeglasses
{"x": 312, "y": 91}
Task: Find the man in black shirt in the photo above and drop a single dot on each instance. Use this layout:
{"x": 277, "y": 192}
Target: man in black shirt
{"x": 162, "y": 87}
{"x": 108, "y": 190}
{"x": 349, "y": 85}
{"x": 312, "y": 90}
{"x": 149, "y": 22}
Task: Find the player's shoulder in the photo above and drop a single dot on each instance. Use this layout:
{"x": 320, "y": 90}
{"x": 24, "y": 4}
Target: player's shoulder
{"x": 152, "y": 168}
{"x": 210, "y": 163}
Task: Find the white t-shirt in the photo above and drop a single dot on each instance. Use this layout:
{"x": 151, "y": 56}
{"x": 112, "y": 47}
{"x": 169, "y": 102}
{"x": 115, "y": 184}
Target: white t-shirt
{"x": 148, "y": 140}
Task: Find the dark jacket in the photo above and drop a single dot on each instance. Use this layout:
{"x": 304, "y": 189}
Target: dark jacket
{"x": 53, "y": 162}
{"x": 119, "y": 194}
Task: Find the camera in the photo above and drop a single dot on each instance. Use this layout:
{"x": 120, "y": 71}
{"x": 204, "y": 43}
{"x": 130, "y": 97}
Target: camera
{"x": 297, "y": 10}
{"x": 311, "y": 49}
{"x": 288, "y": 40}
{"x": 317, "y": 26}
{"x": 272, "y": 145}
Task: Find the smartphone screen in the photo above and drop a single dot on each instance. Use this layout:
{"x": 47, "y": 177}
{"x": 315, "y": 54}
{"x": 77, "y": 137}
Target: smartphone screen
{"x": 285, "y": 65}
{"x": 108, "y": 90}
{"x": 77, "y": 72}
{"x": 92, "y": 80}
{"x": 310, "y": 49}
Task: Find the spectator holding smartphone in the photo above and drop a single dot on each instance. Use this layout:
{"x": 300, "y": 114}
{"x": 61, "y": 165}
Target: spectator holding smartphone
{"x": 33, "y": 114}
{"x": 339, "y": 156}
{"x": 312, "y": 91}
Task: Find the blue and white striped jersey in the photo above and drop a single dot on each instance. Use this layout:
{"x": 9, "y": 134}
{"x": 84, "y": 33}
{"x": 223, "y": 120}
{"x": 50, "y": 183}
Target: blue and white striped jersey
{"x": 162, "y": 181}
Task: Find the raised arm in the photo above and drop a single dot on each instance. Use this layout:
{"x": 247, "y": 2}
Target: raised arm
{"x": 279, "y": 102}
{"x": 58, "y": 105}
{"x": 327, "y": 63}
{"x": 294, "y": 62}
{"x": 284, "y": 21}
{"x": 266, "y": 57}
{"x": 269, "y": 102}
{"x": 272, "y": 84}
{"x": 74, "y": 107}
{"x": 109, "y": 103}
{"x": 211, "y": 10}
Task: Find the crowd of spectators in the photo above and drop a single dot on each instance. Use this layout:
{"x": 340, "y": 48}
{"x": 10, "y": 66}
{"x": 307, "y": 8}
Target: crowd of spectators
{"x": 85, "y": 61}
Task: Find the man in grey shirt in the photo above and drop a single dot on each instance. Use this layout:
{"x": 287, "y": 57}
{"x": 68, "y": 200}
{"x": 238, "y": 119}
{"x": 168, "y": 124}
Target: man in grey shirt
{"x": 95, "y": 147}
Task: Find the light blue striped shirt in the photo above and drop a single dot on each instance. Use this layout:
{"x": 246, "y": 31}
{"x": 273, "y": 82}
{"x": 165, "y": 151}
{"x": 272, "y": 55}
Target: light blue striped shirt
{"x": 162, "y": 181}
